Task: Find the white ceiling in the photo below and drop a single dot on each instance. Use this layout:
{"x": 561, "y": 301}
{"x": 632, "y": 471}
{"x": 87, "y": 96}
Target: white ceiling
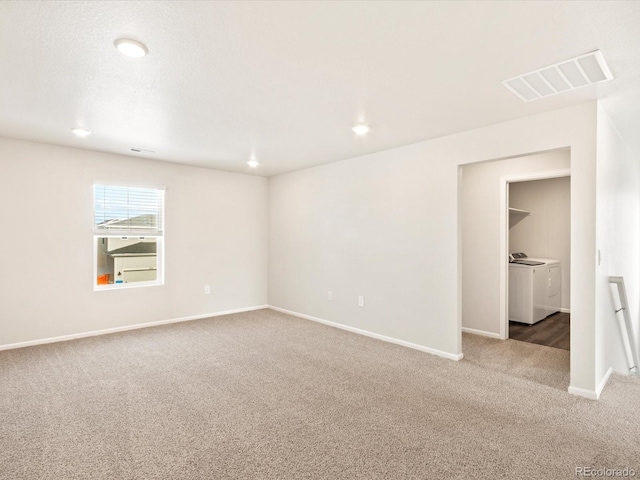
{"x": 287, "y": 80}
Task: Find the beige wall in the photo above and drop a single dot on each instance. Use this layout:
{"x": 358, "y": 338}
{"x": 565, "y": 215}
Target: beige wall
{"x": 546, "y": 233}
{"x": 480, "y": 217}
{"x": 216, "y": 234}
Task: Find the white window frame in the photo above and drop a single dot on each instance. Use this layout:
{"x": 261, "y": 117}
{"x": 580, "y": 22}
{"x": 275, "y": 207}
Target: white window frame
{"x": 159, "y": 281}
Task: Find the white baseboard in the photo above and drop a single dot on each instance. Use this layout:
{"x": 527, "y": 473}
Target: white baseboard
{"x": 603, "y": 382}
{"x": 481, "y": 332}
{"x": 592, "y": 394}
{"x": 384, "y": 338}
{"x": 583, "y": 392}
{"x": 124, "y": 328}
{"x": 565, "y": 310}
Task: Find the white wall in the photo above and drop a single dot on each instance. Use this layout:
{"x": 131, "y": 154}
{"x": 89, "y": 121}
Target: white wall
{"x": 374, "y": 226}
{"x": 480, "y": 216}
{"x": 546, "y": 233}
{"x": 385, "y": 226}
{"x": 216, "y": 234}
{"x": 618, "y": 238}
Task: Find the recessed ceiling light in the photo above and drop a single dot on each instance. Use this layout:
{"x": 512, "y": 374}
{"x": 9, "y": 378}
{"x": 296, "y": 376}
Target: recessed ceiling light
{"x": 131, "y": 48}
{"x": 560, "y": 77}
{"x": 361, "y": 129}
{"x": 81, "y": 132}
{"x": 253, "y": 163}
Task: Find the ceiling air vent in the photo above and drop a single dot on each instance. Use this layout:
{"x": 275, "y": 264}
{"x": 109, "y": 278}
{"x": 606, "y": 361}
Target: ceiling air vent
{"x": 560, "y": 77}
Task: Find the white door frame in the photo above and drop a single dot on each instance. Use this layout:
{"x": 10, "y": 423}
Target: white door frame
{"x": 504, "y": 236}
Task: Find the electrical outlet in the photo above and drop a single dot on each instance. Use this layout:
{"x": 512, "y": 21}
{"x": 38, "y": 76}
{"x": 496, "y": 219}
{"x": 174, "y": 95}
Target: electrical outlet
{"x": 207, "y": 289}
{"x": 361, "y": 301}
{"x": 330, "y": 296}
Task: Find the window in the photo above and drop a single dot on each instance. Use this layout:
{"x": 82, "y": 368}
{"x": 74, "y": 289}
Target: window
{"x": 128, "y": 236}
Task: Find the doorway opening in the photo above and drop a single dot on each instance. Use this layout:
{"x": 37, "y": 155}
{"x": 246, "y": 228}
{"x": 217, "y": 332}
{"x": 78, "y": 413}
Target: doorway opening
{"x": 484, "y": 199}
{"x": 538, "y": 238}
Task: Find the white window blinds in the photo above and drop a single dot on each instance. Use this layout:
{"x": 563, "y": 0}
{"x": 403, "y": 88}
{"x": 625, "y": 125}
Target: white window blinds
{"x": 128, "y": 210}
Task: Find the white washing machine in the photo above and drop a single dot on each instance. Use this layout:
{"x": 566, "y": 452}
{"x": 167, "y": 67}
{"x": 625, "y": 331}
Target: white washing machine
{"x": 534, "y": 288}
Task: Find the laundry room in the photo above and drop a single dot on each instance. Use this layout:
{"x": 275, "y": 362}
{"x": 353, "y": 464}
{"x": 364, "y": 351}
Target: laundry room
{"x": 539, "y": 262}
{"x": 536, "y": 188}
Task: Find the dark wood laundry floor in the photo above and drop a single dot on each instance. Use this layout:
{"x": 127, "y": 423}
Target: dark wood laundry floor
{"x": 553, "y": 331}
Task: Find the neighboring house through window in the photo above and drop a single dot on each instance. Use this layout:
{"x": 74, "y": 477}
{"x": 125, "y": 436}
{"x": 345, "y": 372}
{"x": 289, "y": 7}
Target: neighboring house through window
{"x": 128, "y": 236}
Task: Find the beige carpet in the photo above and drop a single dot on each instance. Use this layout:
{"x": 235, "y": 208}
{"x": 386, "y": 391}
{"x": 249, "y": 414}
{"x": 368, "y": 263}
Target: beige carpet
{"x": 544, "y": 365}
{"x": 263, "y": 395}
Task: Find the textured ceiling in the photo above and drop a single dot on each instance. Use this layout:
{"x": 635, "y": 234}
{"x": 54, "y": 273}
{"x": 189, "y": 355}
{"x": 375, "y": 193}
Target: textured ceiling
{"x": 287, "y": 80}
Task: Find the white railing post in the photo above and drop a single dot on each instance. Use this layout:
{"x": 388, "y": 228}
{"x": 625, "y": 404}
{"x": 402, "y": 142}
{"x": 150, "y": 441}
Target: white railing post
{"x": 626, "y": 328}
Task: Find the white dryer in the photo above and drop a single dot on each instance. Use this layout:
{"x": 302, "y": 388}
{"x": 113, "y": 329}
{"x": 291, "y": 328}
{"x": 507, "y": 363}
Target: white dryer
{"x": 534, "y": 288}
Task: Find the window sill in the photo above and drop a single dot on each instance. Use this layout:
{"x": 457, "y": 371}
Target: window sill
{"x": 126, "y": 286}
